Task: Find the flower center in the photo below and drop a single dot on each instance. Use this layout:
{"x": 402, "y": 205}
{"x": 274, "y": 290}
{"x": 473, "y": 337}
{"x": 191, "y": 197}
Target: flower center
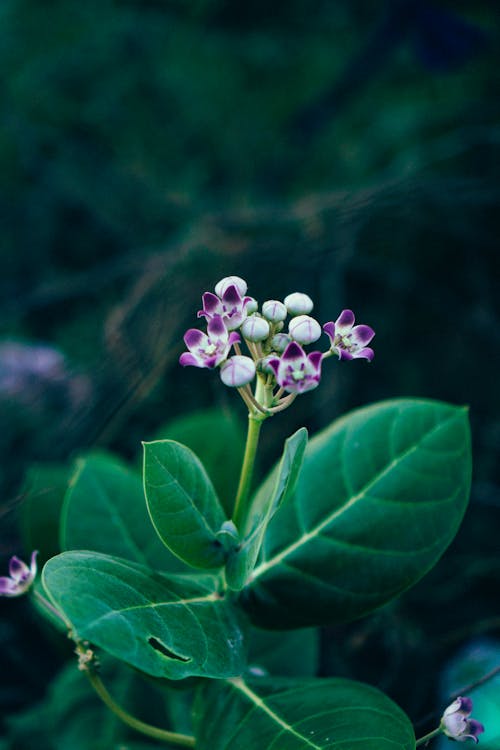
{"x": 210, "y": 348}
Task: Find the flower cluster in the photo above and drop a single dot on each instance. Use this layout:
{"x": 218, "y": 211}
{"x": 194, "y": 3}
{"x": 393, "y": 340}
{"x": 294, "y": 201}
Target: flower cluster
{"x": 21, "y": 577}
{"x": 277, "y": 355}
{"x": 457, "y": 724}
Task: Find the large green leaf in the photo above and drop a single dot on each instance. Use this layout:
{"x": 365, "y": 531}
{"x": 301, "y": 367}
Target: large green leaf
{"x": 218, "y": 439}
{"x": 379, "y": 498}
{"x": 105, "y": 510}
{"x": 168, "y": 626}
{"x": 290, "y": 714}
{"x": 241, "y": 562}
{"x": 182, "y": 503}
{"x": 283, "y": 653}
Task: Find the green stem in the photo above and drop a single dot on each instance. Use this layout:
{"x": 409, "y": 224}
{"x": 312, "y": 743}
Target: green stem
{"x": 426, "y": 738}
{"x": 240, "y": 506}
{"x": 182, "y": 740}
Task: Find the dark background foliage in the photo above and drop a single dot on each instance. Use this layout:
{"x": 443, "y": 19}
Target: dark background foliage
{"x": 345, "y": 149}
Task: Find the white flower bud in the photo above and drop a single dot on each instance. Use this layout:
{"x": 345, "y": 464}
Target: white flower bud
{"x": 237, "y": 371}
{"x": 280, "y": 342}
{"x": 255, "y": 328}
{"x": 264, "y": 366}
{"x": 304, "y": 329}
{"x": 240, "y": 284}
{"x": 252, "y": 306}
{"x": 298, "y": 303}
{"x": 274, "y": 311}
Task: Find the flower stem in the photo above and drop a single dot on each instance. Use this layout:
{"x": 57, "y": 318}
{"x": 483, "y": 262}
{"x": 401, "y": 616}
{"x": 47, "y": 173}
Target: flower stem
{"x": 240, "y": 506}
{"x": 427, "y": 737}
{"x": 181, "y": 740}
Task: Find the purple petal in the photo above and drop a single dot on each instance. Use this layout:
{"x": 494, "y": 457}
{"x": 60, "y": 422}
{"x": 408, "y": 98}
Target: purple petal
{"x": 274, "y": 362}
{"x": 234, "y": 338}
{"x": 8, "y": 587}
{"x": 362, "y": 334}
{"x": 465, "y": 705}
{"x": 329, "y": 329}
{"x": 232, "y": 296}
{"x": 293, "y": 352}
{"x": 18, "y": 570}
{"x": 193, "y": 338}
{"x": 315, "y": 360}
{"x": 189, "y": 359}
{"x": 345, "y": 321}
{"x": 217, "y": 329}
{"x": 211, "y": 305}
{"x": 365, "y": 353}
{"x": 474, "y": 728}
{"x": 343, "y": 353}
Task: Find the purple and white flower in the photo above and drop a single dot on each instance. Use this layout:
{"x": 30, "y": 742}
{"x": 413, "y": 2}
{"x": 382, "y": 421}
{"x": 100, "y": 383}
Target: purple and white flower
{"x": 304, "y": 329}
{"x": 21, "y": 576}
{"x": 347, "y": 340}
{"x": 456, "y": 724}
{"x": 237, "y": 371}
{"x": 295, "y": 371}
{"x": 240, "y": 284}
{"x": 208, "y": 350}
{"x": 231, "y": 306}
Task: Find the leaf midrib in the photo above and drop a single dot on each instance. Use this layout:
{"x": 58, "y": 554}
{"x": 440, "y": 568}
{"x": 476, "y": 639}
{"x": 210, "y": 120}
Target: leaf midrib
{"x": 305, "y": 538}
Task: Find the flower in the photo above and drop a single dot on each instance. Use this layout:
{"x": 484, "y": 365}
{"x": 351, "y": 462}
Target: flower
{"x": 232, "y": 307}
{"x": 347, "y": 340}
{"x": 304, "y": 329}
{"x": 237, "y": 371}
{"x": 298, "y": 303}
{"x": 296, "y": 372}
{"x": 456, "y": 724}
{"x": 20, "y": 577}
{"x": 211, "y": 350}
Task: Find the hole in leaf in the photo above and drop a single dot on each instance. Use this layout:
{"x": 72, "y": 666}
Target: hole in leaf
{"x": 158, "y": 646}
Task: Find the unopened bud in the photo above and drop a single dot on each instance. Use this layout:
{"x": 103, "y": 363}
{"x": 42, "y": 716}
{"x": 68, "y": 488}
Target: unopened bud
{"x": 252, "y": 305}
{"x": 255, "y": 328}
{"x": 280, "y": 342}
{"x": 304, "y": 329}
{"x": 237, "y": 371}
{"x": 263, "y": 365}
{"x": 240, "y": 284}
{"x": 274, "y": 311}
{"x": 298, "y": 303}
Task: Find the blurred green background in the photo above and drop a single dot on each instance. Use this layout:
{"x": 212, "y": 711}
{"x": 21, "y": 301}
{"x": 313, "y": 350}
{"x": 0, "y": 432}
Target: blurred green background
{"x": 347, "y": 149}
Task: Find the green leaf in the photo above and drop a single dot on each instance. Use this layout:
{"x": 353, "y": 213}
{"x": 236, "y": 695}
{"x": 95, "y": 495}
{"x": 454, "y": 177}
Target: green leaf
{"x": 241, "y": 563}
{"x": 184, "y": 508}
{"x": 285, "y": 653}
{"x": 290, "y": 714}
{"x": 105, "y": 510}
{"x": 168, "y": 626}
{"x": 218, "y": 439}
{"x": 380, "y": 496}
{"x": 43, "y": 494}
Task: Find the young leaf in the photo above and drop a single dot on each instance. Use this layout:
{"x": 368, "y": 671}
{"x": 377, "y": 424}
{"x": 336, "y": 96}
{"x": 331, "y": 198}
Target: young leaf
{"x": 241, "y": 563}
{"x": 221, "y": 455}
{"x": 105, "y": 510}
{"x": 379, "y": 498}
{"x": 167, "y": 626}
{"x": 291, "y": 714}
{"x": 182, "y": 503}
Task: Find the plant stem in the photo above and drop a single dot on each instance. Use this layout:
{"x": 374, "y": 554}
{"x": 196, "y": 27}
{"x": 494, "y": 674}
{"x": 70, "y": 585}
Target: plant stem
{"x": 427, "y": 737}
{"x": 240, "y": 506}
{"x": 182, "y": 740}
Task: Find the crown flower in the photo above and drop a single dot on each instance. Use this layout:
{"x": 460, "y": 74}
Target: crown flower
{"x": 231, "y": 306}
{"x": 295, "y": 371}
{"x": 208, "y": 350}
{"x": 21, "y": 577}
{"x": 456, "y": 724}
{"x": 347, "y": 340}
